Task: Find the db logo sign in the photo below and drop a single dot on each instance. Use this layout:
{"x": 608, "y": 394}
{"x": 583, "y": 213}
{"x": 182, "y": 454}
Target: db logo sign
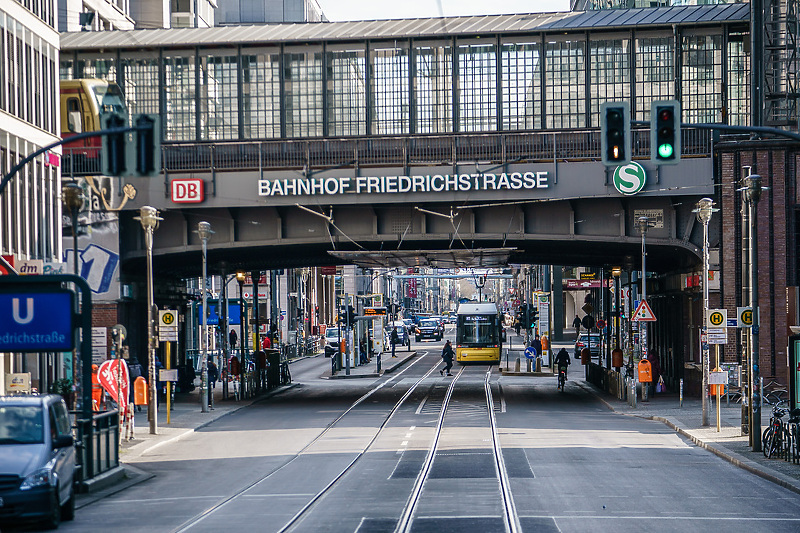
{"x": 187, "y": 191}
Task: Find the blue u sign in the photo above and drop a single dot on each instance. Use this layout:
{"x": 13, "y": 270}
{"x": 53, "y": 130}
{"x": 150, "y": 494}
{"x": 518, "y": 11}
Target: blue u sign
{"x": 36, "y": 321}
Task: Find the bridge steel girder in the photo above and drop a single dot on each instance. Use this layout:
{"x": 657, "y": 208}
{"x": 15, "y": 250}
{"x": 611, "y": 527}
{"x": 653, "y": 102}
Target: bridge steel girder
{"x": 589, "y": 232}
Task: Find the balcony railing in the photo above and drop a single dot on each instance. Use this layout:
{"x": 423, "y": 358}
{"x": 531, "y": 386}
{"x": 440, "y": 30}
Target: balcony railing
{"x": 403, "y": 151}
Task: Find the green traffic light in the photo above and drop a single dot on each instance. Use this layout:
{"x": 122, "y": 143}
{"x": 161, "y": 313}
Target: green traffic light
{"x": 665, "y": 150}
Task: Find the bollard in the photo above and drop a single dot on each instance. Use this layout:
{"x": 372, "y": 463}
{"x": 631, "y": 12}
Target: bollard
{"x": 538, "y": 364}
{"x": 528, "y": 364}
{"x": 517, "y": 365}
{"x": 379, "y": 363}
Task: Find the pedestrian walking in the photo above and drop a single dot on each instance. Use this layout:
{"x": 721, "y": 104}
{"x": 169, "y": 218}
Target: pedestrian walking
{"x": 233, "y": 337}
{"x": 655, "y": 367}
{"x": 134, "y": 371}
{"x": 394, "y": 339}
{"x": 213, "y": 372}
{"x": 577, "y": 325}
{"x": 447, "y": 356}
{"x": 536, "y": 343}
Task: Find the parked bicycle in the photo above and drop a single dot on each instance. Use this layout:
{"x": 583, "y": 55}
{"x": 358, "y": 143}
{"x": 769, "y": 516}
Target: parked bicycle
{"x": 776, "y": 438}
{"x": 286, "y": 375}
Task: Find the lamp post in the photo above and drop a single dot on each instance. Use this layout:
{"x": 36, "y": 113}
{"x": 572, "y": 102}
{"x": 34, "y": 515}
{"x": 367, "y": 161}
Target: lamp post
{"x": 149, "y": 218}
{"x": 204, "y": 232}
{"x": 616, "y": 272}
{"x": 242, "y": 317}
{"x": 644, "y": 224}
{"x": 72, "y": 196}
{"x": 704, "y": 210}
{"x": 752, "y": 194}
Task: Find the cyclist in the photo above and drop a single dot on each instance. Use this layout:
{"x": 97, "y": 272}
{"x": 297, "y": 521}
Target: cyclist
{"x": 563, "y": 361}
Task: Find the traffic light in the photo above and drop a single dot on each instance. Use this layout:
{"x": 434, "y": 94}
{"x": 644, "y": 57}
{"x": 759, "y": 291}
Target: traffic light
{"x": 665, "y": 132}
{"x": 112, "y": 152}
{"x": 144, "y": 155}
{"x": 534, "y": 316}
{"x": 351, "y": 316}
{"x": 615, "y": 133}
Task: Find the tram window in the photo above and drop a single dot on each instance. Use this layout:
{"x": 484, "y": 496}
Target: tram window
{"x": 74, "y": 116}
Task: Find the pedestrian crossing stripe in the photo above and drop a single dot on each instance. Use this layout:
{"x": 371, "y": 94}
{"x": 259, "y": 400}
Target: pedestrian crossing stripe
{"x": 643, "y": 313}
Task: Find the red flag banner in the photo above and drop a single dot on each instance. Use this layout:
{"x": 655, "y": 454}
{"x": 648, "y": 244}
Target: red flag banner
{"x": 108, "y": 374}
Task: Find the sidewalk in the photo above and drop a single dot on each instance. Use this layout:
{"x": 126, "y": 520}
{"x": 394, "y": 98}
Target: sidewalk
{"x": 728, "y": 443}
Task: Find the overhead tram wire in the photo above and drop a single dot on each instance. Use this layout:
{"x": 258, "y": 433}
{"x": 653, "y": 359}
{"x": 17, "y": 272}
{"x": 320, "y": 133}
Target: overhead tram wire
{"x": 191, "y": 522}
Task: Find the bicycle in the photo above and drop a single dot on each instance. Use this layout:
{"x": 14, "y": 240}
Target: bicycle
{"x": 562, "y": 377}
{"x": 776, "y": 438}
{"x": 286, "y": 375}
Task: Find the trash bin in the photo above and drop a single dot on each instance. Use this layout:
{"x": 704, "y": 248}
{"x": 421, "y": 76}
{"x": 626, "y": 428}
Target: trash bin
{"x": 274, "y": 368}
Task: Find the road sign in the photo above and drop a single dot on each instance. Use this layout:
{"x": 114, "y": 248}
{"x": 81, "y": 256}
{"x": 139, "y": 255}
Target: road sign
{"x": 744, "y": 317}
{"x": 718, "y": 335}
{"x": 717, "y": 318}
{"x": 643, "y": 313}
{"x": 374, "y": 311}
{"x": 600, "y": 324}
{"x": 718, "y": 378}
{"x": 168, "y": 317}
{"x": 36, "y": 321}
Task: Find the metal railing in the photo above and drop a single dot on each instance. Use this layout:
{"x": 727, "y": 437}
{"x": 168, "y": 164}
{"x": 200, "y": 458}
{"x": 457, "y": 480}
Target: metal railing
{"x": 399, "y": 151}
{"x": 100, "y": 453}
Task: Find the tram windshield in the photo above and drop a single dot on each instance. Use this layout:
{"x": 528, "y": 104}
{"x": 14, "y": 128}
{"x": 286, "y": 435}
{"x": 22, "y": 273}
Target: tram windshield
{"x": 478, "y": 330}
{"x": 108, "y": 98}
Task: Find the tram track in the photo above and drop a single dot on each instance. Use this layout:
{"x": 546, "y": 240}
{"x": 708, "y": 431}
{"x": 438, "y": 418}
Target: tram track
{"x": 510, "y": 518}
{"x": 219, "y": 505}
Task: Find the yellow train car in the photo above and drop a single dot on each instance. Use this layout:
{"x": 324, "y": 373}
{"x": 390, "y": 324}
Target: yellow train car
{"x": 479, "y": 333}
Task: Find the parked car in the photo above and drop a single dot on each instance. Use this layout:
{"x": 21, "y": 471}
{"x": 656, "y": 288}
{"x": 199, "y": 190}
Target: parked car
{"x": 590, "y": 340}
{"x": 37, "y": 460}
{"x": 332, "y": 339}
{"x": 403, "y": 337}
{"x": 429, "y": 328}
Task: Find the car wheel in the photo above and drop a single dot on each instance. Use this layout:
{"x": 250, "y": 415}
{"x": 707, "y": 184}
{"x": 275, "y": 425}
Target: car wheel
{"x": 54, "y": 520}
{"x": 68, "y": 509}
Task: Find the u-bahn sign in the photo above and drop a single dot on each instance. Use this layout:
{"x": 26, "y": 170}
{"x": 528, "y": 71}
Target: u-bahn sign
{"x": 36, "y": 321}
{"x": 630, "y": 179}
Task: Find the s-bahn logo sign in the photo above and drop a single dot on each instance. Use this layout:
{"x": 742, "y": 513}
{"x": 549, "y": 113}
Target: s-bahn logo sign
{"x": 403, "y": 184}
{"x": 630, "y": 179}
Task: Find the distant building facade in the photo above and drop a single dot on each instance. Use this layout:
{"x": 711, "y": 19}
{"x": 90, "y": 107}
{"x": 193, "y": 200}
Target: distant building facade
{"x": 234, "y": 12}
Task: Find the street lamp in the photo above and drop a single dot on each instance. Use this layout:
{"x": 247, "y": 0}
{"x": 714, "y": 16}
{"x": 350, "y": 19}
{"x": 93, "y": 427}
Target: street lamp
{"x": 616, "y": 272}
{"x": 242, "y": 317}
{"x": 752, "y": 194}
{"x": 149, "y": 218}
{"x": 705, "y": 208}
{"x": 72, "y": 196}
{"x": 644, "y": 223}
{"x": 204, "y": 232}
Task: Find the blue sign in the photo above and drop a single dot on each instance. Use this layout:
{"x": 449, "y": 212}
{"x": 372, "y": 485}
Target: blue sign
{"x": 234, "y": 315}
{"x": 36, "y": 321}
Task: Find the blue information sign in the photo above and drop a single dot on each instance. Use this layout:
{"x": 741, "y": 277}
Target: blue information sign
{"x": 36, "y": 321}
{"x": 234, "y": 314}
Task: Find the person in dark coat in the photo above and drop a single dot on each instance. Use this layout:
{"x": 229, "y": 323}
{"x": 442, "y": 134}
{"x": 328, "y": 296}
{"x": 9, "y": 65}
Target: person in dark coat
{"x": 655, "y": 367}
{"x": 447, "y": 355}
{"x": 233, "y": 337}
{"x": 394, "y": 339}
{"x": 134, "y": 371}
{"x": 213, "y": 372}
{"x": 577, "y": 325}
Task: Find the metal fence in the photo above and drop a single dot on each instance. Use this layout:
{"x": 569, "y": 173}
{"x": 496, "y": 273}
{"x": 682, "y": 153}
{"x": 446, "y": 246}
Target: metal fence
{"x": 100, "y": 453}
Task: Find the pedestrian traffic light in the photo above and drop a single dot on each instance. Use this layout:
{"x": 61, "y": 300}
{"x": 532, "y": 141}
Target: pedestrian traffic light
{"x": 351, "y": 316}
{"x": 665, "y": 132}
{"x": 144, "y": 155}
{"x": 615, "y": 133}
{"x": 112, "y": 151}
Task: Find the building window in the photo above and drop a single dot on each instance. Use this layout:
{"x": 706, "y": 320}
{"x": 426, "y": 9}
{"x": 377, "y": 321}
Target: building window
{"x": 655, "y": 73}
{"x": 433, "y": 85}
{"x": 522, "y": 87}
{"x": 261, "y": 95}
{"x": 701, "y": 78}
{"x": 477, "y": 83}
{"x": 180, "y": 98}
{"x": 390, "y": 114}
{"x": 565, "y": 81}
{"x": 610, "y": 79}
{"x": 219, "y": 97}
{"x": 738, "y": 112}
{"x": 347, "y": 88}
{"x": 141, "y": 86}
{"x": 303, "y": 94}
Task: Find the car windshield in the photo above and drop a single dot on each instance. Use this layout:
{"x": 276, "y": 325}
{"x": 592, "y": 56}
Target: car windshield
{"x": 332, "y": 333}
{"x": 428, "y": 323}
{"x": 21, "y": 424}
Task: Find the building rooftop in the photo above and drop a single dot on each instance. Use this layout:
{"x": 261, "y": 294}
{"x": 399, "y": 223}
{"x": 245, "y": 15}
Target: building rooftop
{"x": 408, "y": 28}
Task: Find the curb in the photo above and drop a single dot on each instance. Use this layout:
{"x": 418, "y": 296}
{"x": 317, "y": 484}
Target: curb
{"x": 732, "y": 457}
{"x": 386, "y": 370}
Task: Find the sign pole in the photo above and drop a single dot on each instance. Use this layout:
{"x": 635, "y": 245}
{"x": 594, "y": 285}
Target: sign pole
{"x": 168, "y": 356}
{"x": 719, "y": 387}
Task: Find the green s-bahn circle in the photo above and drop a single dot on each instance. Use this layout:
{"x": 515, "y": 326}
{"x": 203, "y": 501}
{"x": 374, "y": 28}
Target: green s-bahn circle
{"x": 630, "y": 179}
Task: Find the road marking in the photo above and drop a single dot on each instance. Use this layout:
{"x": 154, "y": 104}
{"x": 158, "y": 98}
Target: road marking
{"x": 421, "y": 405}
{"x": 404, "y": 443}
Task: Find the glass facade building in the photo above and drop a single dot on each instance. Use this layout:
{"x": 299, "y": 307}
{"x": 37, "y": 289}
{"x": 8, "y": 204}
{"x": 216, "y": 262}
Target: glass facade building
{"x": 459, "y": 82}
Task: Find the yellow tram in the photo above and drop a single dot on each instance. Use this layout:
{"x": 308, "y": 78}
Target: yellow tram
{"x": 479, "y": 333}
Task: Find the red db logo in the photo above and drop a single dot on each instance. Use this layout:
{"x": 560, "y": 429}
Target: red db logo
{"x": 187, "y": 191}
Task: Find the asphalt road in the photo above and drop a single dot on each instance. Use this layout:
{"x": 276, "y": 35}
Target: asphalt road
{"x": 572, "y": 465}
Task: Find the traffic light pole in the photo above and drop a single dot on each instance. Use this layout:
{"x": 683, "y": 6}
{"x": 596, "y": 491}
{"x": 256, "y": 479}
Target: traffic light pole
{"x": 16, "y": 168}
